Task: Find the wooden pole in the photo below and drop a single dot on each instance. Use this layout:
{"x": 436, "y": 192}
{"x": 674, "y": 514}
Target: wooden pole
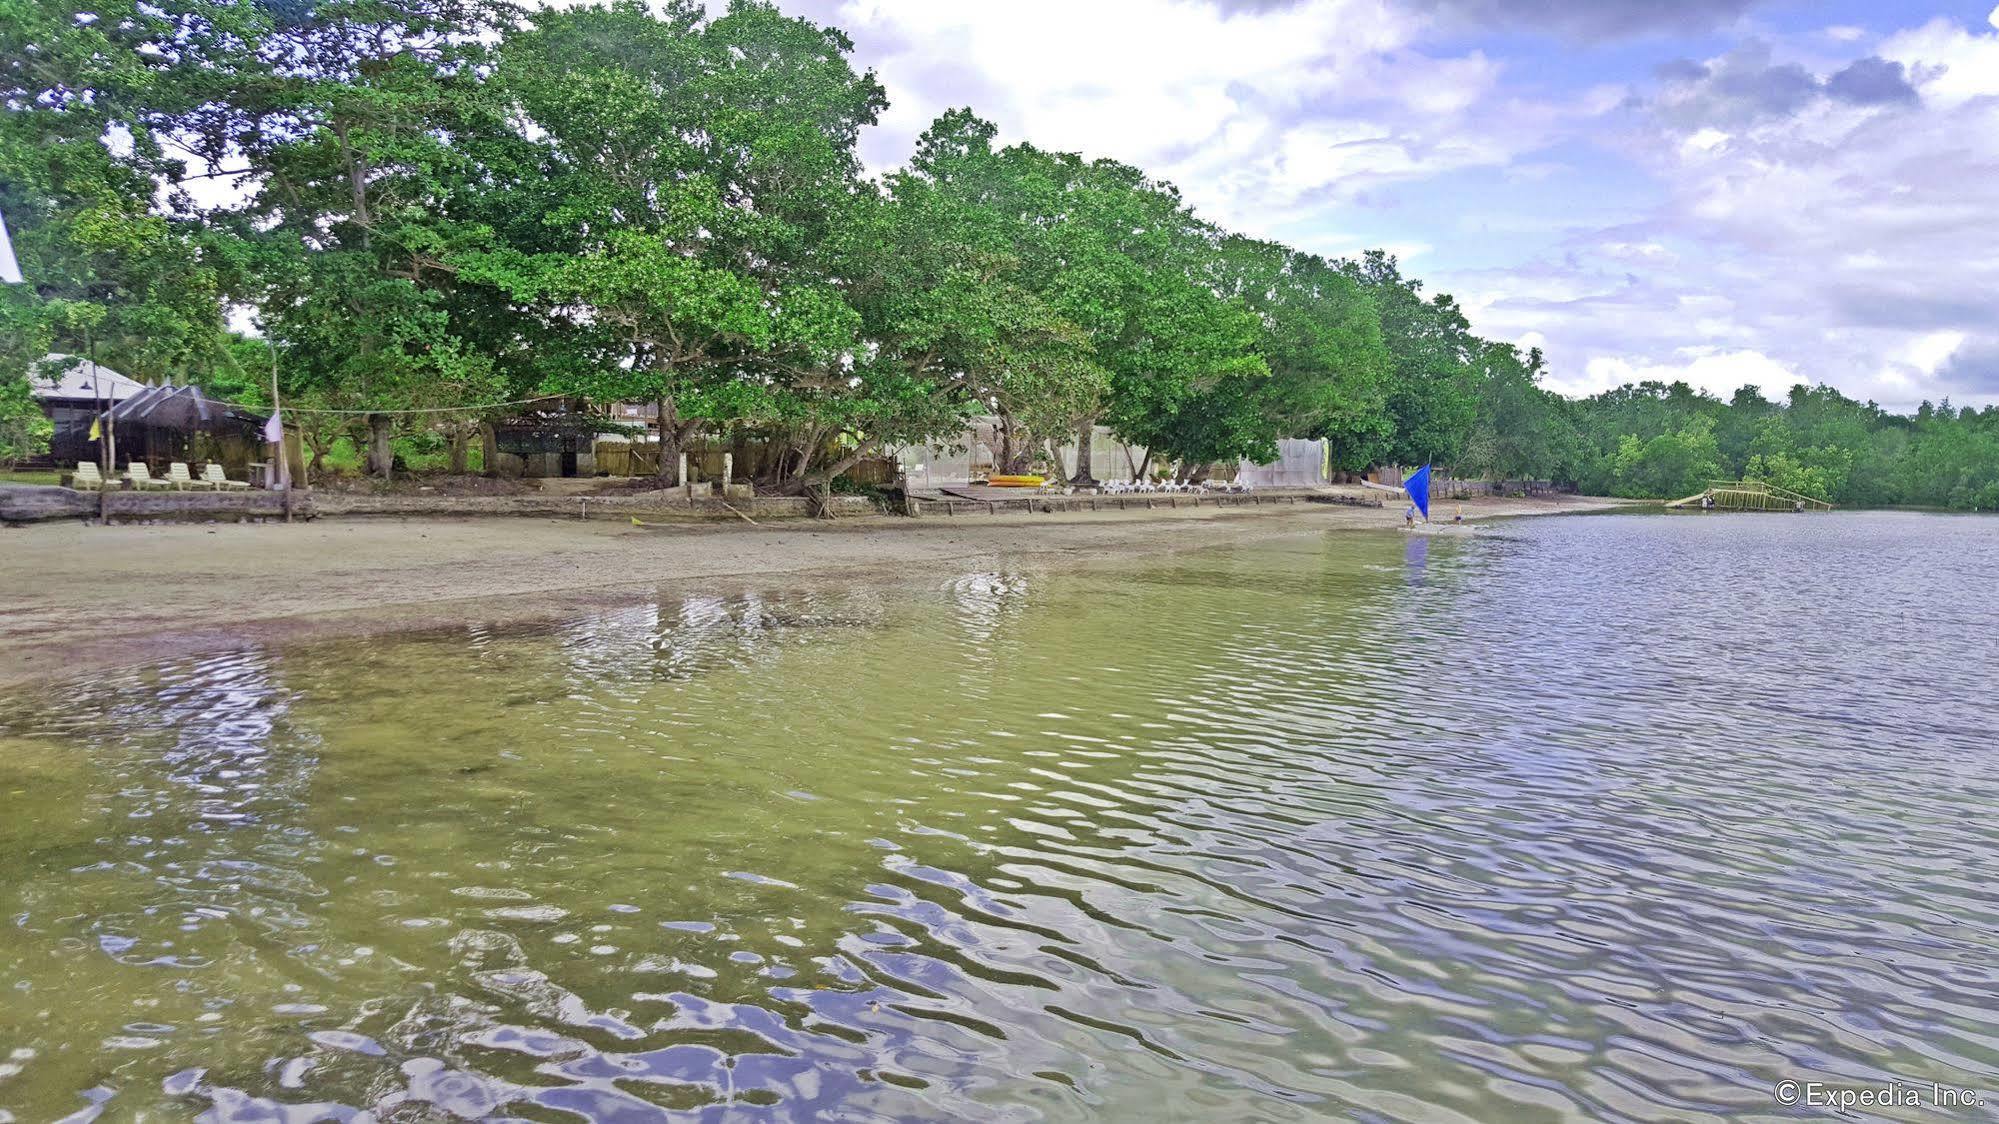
{"x": 284, "y": 462}
{"x": 107, "y": 448}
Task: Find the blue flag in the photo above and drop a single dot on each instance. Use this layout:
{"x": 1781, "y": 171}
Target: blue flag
{"x": 1418, "y": 487}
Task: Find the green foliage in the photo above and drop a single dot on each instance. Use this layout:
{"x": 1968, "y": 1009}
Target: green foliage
{"x": 449, "y": 204}
{"x": 1519, "y": 430}
{"x": 1326, "y": 372}
{"x": 1433, "y": 396}
{"x": 89, "y": 89}
{"x": 950, "y": 269}
{"x": 1657, "y": 440}
{"x": 24, "y": 429}
{"x": 1784, "y": 471}
{"x": 692, "y": 172}
{"x": 1671, "y": 464}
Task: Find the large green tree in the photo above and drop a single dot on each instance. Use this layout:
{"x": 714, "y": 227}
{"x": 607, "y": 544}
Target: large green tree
{"x": 1319, "y": 335}
{"x": 696, "y": 168}
{"x": 354, "y": 134}
{"x": 115, "y": 261}
{"x": 1433, "y": 395}
{"x": 951, "y": 286}
{"x": 1127, "y": 263}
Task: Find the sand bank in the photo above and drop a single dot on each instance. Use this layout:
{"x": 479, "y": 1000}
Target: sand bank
{"x": 76, "y": 597}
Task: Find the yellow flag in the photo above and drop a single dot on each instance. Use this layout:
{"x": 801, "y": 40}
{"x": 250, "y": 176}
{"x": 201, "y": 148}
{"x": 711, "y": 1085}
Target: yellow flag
{"x": 95, "y": 432}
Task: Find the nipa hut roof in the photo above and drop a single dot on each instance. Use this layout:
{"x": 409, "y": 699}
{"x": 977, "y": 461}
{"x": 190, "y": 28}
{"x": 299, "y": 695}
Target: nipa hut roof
{"x": 180, "y": 407}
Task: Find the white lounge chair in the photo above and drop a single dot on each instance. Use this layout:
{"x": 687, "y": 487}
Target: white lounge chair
{"x": 87, "y": 478}
{"x": 142, "y": 477}
{"x": 179, "y": 477}
{"x": 213, "y": 474}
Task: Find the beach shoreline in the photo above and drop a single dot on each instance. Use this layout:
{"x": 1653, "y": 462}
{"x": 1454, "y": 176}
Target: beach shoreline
{"x": 77, "y": 598}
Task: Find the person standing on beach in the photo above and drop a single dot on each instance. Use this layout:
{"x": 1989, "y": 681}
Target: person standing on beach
{"x": 1409, "y": 517}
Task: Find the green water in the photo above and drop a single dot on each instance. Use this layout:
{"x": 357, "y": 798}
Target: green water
{"x": 1581, "y": 819}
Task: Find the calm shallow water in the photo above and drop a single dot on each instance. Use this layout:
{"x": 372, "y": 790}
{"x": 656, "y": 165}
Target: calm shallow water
{"x": 1621, "y": 818}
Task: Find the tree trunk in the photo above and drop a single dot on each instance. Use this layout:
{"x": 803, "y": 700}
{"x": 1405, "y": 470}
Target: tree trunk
{"x": 489, "y": 450}
{"x": 1054, "y": 451}
{"x": 669, "y": 446}
{"x": 764, "y": 465}
{"x": 1143, "y": 466}
{"x": 815, "y": 485}
{"x": 381, "y": 455}
{"x": 1013, "y": 451}
{"x": 316, "y": 440}
{"x": 459, "y": 444}
{"x": 1085, "y": 432}
{"x": 674, "y": 434}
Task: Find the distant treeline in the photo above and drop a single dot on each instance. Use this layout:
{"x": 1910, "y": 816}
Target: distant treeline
{"x": 1655, "y": 440}
{"x": 427, "y": 204}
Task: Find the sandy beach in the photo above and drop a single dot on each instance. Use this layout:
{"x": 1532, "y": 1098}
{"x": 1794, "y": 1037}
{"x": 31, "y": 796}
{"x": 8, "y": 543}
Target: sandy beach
{"x": 75, "y": 597}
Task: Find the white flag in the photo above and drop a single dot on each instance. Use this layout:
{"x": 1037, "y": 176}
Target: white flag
{"x": 10, "y": 270}
{"x": 274, "y": 430}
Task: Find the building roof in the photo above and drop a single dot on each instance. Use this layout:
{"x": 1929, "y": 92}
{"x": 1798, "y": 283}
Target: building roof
{"x": 180, "y": 407}
{"x": 83, "y": 379}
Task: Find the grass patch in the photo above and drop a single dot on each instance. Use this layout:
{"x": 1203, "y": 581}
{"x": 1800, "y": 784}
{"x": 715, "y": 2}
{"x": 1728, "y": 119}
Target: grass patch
{"x": 418, "y": 454}
{"x": 24, "y": 477}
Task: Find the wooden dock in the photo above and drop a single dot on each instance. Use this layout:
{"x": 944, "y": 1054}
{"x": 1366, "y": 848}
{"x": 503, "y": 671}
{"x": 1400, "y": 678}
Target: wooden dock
{"x": 1747, "y": 495}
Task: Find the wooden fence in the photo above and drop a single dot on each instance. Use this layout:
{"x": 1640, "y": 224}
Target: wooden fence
{"x": 704, "y": 461}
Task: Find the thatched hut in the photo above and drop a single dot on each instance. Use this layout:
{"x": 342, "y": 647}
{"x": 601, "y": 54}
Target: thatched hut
{"x": 161, "y": 424}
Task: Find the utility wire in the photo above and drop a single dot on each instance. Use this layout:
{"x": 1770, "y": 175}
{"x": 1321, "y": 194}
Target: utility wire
{"x": 293, "y": 409}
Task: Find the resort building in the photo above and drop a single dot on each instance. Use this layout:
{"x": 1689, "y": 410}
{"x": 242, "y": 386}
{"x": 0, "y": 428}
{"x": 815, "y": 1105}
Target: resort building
{"x": 73, "y": 392}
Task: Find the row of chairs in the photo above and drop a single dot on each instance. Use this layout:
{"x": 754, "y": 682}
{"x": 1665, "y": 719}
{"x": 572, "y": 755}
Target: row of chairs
{"x": 88, "y": 479}
{"x": 1127, "y": 487}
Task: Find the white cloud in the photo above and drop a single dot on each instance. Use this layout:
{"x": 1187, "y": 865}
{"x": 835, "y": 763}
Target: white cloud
{"x": 1261, "y": 116}
{"x": 1805, "y": 212}
{"x": 1928, "y": 352}
{"x": 1718, "y": 373}
{"x": 1832, "y": 241}
{"x": 1950, "y": 65}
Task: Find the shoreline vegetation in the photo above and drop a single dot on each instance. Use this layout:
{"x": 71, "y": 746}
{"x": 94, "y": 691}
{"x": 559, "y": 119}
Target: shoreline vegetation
{"x": 188, "y": 589}
{"x": 447, "y": 220}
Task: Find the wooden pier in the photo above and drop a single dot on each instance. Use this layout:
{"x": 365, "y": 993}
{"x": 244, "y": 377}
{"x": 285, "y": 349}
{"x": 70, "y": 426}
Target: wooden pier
{"x": 1747, "y": 495}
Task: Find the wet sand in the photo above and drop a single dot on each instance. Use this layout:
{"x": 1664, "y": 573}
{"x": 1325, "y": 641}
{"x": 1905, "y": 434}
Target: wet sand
{"x": 75, "y": 597}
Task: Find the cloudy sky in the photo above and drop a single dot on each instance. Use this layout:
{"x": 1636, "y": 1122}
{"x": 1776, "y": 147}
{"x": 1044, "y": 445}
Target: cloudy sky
{"x": 1725, "y": 191}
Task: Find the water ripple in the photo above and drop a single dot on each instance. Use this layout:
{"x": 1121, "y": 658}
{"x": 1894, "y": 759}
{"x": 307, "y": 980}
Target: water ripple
{"x": 1585, "y": 819}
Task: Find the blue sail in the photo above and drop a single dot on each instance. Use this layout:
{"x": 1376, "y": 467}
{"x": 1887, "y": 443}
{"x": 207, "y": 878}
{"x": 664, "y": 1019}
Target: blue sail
{"x": 1418, "y": 487}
